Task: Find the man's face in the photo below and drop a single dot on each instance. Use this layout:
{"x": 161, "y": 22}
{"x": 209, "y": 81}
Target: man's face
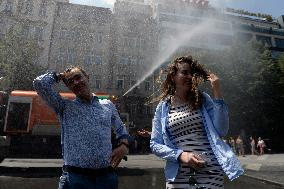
{"x": 77, "y": 82}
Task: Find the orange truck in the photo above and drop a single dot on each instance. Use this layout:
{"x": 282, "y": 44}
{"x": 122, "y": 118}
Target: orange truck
{"x": 32, "y": 127}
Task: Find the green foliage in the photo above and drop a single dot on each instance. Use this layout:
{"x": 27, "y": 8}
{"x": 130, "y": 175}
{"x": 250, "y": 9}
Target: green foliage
{"x": 245, "y": 12}
{"x": 18, "y": 62}
{"x": 253, "y": 86}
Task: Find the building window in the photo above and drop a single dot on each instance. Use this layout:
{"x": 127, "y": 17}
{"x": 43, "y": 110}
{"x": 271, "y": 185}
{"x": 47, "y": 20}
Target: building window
{"x": 99, "y": 60}
{"x": 125, "y": 60}
{"x": 133, "y": 109}
{"x": 279, "y": 43}
{"x": 29, "y": 7}
{"x": 42, "y": 8}
{"x": 133, "y": 60}
{"x": 147, "y": 86}
{"x": 71, "y": 56}
{"x": 148, "y": 110}
{"x": 62, "y": 34}
{"x": 89, "y": 57}
{"x": 120, "y": 84}
{"x": 98, "y": 82}
{"x": 8, "y": 6}
{"x": 61, "y": 56}
{"x": 99, "y": 38}
{"x": 39, "y": 33}
{"x": 264, "y": 40}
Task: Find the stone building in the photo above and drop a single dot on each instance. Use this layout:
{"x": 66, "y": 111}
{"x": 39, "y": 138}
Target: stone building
{"x": 81, "y": 36}
{"x": 32, "y": 19}
{"x": 134, "y": 47}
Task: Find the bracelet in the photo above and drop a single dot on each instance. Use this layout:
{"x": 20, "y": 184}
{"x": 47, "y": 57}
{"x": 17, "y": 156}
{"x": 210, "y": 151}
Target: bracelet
{"x": 123, "y": 143}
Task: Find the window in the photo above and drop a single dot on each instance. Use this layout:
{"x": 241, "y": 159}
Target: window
{"x": 29, "y": 7}
{"x": 147, "y": 86}
{"x": 133, "y": 60}
{"x": 98, "y": 82}
{"x": 148, "y": 110}
{"x": 99, "y": 60}
{"x": 8, "y": 6}
{"x": 62, "y": 34}
{"x": 61, "y": 56}
{"x": 279, "y": 43}
{"x": 39, "y": 33}
{"x": 89, "y": 57}
{"x": 100, "y": 38}
{"x": 42, "y": 8}
{"x": 120, "y": 84}
{"x": 133, "y": 109}
{"x": 264, "y": 40}
{"x": 71, "y": 56}
{"x": 125, "y": 60}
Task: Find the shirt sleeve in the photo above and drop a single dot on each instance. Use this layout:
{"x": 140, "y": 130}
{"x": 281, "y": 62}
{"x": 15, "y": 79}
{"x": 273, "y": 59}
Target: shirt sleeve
{"x": 44, "y": 85}
{"x": 218, "y": 112}
{"x": 157, "y": 144}
{"x": 119, "y": 127}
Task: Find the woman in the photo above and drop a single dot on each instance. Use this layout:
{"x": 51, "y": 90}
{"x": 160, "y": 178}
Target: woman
{"x": 252, "y": 146}
{"x": 187, "y": 129}
{"x": 261, "y": 145}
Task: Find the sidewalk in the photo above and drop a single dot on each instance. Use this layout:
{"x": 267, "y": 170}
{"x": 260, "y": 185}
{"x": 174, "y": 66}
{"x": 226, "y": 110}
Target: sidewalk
{"x": 269, "y": 167}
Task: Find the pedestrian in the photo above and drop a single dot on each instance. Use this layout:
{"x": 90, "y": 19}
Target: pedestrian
{"x": 252, "y": 146}
{"x": 232, "y": 144}
{"x": 86, "y": 124}
{"x": 187, "y": 129}
{"x": 240, "y": 146}
{"x": 261, "y": 145}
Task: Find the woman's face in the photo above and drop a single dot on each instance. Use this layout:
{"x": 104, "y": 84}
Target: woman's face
{"x": 183, "y": 77}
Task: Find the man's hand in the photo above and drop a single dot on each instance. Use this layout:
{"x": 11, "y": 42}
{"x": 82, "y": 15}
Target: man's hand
{"x": 117, "y": 155}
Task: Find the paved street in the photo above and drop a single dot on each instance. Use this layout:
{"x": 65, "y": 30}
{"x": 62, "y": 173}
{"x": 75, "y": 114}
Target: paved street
{"x": 140, "y": 171}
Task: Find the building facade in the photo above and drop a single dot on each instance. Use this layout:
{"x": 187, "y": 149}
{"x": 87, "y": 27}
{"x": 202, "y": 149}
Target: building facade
{"x": 118, "y": 47}
{"x": 32, "y": 19}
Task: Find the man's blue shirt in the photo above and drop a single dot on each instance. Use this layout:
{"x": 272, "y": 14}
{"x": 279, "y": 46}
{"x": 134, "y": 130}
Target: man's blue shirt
{"x": 86, "y": 127}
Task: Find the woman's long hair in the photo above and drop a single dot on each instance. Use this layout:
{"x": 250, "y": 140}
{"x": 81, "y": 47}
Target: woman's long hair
{"x": 199, "y": 75}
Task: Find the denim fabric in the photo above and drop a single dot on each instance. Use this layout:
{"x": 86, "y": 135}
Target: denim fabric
{"x": 77, "y": 181}
{"x": 86, "y": 127}
{"x": 216, "y": 123}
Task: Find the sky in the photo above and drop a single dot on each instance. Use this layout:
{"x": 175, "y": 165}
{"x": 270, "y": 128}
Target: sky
{"x": 273, "y": 7}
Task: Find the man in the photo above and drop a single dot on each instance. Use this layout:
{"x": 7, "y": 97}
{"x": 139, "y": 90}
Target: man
{"x": 86, "y": 131}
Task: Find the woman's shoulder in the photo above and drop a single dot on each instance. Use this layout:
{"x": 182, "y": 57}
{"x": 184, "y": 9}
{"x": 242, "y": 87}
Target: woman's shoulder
{"x": 161, "y": 103}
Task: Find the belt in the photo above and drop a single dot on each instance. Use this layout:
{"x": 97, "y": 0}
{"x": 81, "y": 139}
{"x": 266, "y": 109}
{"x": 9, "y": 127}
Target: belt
{"x": 87, "y": 171}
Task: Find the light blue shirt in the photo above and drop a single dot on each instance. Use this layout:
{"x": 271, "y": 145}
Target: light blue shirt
{"x": 216, "y": 123}
{"x": 86, "y": 127}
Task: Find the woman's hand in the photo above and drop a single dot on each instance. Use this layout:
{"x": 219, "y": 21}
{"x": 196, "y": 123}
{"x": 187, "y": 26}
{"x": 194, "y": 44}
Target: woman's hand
{"x": 216, "y": 86}
{"x": 192, "y": 160}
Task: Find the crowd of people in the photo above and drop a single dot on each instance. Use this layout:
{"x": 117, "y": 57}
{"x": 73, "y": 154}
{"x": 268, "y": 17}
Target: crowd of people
{"x": 253, "y": 146}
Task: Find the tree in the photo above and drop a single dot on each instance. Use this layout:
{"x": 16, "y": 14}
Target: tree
{"x": 252, "y": 82}
{"x": 18, "y": 62}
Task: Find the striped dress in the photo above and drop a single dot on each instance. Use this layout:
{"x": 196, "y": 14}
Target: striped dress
{"x": 188, "y": 133}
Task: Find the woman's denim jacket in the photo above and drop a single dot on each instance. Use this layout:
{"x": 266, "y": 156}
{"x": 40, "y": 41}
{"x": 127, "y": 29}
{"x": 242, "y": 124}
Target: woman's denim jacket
{"x": 216, "y": 123}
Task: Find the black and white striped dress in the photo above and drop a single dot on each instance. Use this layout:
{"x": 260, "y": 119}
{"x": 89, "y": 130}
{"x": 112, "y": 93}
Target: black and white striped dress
{"x": 188, "y": 133}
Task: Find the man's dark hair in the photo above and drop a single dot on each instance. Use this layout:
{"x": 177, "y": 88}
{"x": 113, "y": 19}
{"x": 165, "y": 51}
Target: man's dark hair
{"x": 69, "y": 69}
